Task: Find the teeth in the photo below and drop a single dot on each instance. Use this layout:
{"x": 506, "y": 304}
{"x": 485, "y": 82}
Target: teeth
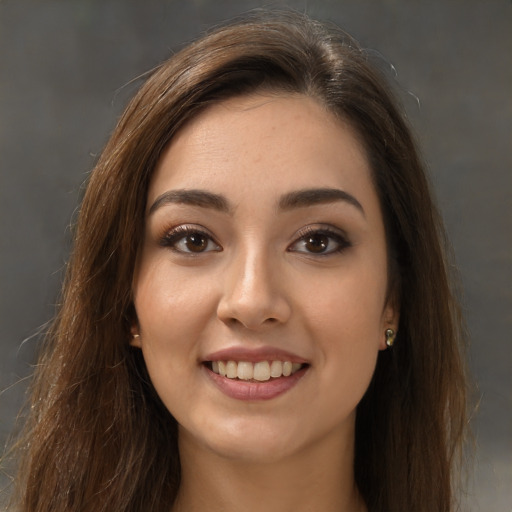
{"x": 231, "y": 369}
{"x": 260, "y": 371}
{"x": 245, "y": 371}
{"x": 276, "y": 369}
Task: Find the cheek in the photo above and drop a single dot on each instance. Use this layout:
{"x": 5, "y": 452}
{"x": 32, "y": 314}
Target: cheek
{"x": 345, "y": 319}
{"x": 172, "y": 311}
{"x": 172, "y": 314}
{"x": 166, "y": 297}
{"x": 349, "y": 306}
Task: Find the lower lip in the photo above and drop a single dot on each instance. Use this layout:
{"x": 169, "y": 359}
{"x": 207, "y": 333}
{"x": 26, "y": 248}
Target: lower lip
{"x": 252, "y": 390}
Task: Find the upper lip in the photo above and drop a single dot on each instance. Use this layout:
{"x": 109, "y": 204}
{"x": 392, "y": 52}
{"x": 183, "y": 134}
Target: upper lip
{"x": 254, "y": 355}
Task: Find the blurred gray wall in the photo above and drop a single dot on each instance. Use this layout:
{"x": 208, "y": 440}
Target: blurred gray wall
{"x": 63, "y": 70}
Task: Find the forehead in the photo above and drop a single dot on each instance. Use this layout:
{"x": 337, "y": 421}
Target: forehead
{"x": 288, "y": 141}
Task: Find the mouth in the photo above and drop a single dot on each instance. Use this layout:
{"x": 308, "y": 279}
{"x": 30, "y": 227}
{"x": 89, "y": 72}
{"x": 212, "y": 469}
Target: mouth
{"x": 260, "y": 371}
{"x": 254, "y": 374}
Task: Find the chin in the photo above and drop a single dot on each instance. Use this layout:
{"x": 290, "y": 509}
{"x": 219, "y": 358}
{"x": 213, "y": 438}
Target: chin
{"x": 257, "y": 442}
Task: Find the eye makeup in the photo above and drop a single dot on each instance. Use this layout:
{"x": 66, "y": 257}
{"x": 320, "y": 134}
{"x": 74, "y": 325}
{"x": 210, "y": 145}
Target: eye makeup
{"x": 320, "y": 240}
{"x": 189, "y": 239}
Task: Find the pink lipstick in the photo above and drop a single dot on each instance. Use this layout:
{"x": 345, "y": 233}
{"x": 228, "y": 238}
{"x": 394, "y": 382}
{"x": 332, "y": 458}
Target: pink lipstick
{"x": 254, "y": 374}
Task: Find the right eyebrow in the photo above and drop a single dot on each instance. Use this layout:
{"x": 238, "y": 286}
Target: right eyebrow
{"x": 312, "y": 196}
{"x": 191, "y": 197}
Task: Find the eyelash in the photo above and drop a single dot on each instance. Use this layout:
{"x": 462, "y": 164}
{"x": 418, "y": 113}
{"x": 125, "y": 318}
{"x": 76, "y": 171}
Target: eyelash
{"x": 179, "y": 233}
{"x": 332, "y": 235}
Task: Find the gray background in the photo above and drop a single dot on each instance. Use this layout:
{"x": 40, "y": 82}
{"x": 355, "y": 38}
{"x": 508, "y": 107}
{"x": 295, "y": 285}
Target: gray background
{"x": 64, "y": 67}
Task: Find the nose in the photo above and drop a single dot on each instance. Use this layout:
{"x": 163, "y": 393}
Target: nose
{"x": 253, "y": 293}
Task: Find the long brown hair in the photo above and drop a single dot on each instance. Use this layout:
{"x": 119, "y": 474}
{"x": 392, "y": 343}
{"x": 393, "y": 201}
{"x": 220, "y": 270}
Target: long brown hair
{"x": 97, "y": 436}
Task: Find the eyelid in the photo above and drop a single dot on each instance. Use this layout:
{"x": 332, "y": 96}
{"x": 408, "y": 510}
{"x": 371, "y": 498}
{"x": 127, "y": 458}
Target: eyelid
{"x": 332, "y": 232}
{"x": 174, "y": 234}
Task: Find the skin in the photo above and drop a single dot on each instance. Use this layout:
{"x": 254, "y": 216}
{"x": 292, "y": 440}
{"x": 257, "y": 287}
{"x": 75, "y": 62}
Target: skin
{"x": 258, "y": 283}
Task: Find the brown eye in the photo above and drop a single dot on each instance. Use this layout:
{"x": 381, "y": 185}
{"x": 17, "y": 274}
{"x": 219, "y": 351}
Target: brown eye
{"x": 196, "y": 242}
{"x": 320, "y": 241}
{"x": 316, "y": 243}
{"x": 189, "y": 240}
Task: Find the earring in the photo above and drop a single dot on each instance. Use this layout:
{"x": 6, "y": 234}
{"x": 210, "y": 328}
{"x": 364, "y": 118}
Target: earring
{"x": 390, "y": 337}
{"x": 135, "y": 335}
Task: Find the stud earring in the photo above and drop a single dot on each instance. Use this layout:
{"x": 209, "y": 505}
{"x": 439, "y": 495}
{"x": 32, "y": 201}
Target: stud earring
{"x": 135, "y": 335}
{"x": 390, "y": 337}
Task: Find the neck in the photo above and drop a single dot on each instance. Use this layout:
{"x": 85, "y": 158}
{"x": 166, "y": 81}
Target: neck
{"x": 319, "y": 478}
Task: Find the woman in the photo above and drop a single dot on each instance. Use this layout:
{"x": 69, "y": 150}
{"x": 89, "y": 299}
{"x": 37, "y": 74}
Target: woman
{"x": 257, "y": 313}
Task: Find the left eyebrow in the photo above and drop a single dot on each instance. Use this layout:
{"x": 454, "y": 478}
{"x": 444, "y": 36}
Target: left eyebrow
{"x": 313, "y": 196}
{"x": 194, "y": 197}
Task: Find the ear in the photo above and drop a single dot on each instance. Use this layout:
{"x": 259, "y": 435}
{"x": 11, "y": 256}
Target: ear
{"x": 135, "y": 340}
{"x": 390, "y": 319}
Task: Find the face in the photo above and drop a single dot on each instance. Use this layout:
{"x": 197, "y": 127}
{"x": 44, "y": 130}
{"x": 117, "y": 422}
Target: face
{"x": 261, "y": 285}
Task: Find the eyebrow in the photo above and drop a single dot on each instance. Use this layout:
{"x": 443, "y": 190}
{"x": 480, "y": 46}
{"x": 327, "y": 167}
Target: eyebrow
{"x": 312, "y": 196}
{"x": 296, "y": 199}
{"x": 191, "y": 197}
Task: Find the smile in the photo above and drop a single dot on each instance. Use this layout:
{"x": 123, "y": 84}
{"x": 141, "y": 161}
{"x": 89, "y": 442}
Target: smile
{"x": 260, "y": 371}
{"x": 261, "y": 380}
{"x": 254, "y": 374}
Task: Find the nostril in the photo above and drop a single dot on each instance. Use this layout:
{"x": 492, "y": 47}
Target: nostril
{"x": 250, "y": 324}
{"x": 253, "y": 308}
